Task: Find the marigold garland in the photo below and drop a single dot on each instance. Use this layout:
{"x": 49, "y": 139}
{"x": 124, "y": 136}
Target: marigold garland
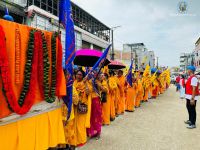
{"x": 36, "y": 70}
{"x": 41, "y": 65}
{"x": 49, "y": 99}
{"x": 31, "y": 64}
{"x": 53, "y": 67}
{"x": 17, "y": 55}
{"x": 6, "y": 79}
{"x": 58, "y": 66}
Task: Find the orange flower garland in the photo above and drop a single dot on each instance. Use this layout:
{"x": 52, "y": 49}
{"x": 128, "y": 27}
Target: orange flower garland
{"x": 17, "y": 55}
{"x": 58, "y": 66}
{"x": 6, "y": 78}
{"x": 36, "y": 70}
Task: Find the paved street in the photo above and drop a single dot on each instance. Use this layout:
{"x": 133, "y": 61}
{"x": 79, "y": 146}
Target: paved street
{"x": 157, "y": 125}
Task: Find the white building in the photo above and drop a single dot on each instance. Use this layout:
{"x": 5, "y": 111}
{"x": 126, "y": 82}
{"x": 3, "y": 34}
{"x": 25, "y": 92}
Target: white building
{"x": 197, "y": 55}
{"x": 140, "y": 54}
{"x": 185, "y": 60}
{"x": 43, "y": 14}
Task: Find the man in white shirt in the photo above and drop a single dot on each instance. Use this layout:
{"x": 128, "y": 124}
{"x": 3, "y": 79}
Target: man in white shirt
{"x": 192, "y": 95}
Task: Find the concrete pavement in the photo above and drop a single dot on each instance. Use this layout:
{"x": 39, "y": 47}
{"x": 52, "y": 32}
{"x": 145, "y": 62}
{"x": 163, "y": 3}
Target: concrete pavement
{"x": 156, "y": 125}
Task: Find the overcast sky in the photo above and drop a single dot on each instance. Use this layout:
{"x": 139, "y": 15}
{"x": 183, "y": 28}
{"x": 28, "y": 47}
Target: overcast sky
{"x": 156, "y": 23}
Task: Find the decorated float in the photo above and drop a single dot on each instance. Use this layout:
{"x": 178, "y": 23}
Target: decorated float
{"x": 31, "y": 82}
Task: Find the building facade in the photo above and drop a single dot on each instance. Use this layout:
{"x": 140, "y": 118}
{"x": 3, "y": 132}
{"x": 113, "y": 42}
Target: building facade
{"x": 16, "y": 9}
{"x": 186, "y": 59}
{"x": 89, "y": 32}
{"x": 197, "y": 55}
{"x": 43, "y": 14}
{"x": 140, "y": 54}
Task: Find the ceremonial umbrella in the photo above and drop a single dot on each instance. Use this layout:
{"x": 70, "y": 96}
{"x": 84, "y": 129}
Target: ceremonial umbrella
{"x": 88, "y": 57}
{"x": 116, "y": 65}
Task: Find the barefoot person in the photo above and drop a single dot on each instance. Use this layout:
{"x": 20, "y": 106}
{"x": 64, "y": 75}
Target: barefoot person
{"x": 192, "y": 95}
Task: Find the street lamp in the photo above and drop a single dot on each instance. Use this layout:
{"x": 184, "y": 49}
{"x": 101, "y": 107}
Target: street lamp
{"x": 112, "y": 54}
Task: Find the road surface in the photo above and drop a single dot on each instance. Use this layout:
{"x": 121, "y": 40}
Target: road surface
{"x": 156, "y": 125}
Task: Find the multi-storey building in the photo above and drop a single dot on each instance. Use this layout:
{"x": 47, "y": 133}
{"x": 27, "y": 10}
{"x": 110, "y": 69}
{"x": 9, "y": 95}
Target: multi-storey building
{"x": 16, "y": 9}
{"x": 185, "y": 60}
{"x": 43, "y": 14}
{"x": 140, "y": 54}
{"x": 197, "y": 55}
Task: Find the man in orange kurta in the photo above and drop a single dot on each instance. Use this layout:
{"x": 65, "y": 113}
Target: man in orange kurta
{"x": 122, "y": 81}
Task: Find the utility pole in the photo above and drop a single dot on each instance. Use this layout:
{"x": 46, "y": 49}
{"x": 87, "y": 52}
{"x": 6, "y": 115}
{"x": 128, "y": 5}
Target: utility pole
{"x": 135, "y": 58}
{"x": 157, "y": 62}
{"x": 112, "y": 54}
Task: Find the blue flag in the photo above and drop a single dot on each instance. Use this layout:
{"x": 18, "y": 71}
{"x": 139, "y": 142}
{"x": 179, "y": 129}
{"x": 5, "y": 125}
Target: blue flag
{"x": 65, "y": 18}
{"x": 129, "y": 75}
{"x": 99, "y": 64}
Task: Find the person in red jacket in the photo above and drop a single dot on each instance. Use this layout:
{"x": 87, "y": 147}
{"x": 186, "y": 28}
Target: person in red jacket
{"x": 191, "y": 95}
{"x": 178, "y": 78}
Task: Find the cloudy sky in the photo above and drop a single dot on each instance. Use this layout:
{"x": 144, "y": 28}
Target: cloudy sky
{"x": 156, "y": 23}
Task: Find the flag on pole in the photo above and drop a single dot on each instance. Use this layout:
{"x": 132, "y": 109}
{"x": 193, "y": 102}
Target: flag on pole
{"x": 100, "y": 63}
{"x": 98, "y": 66}
{"x": 129, "y": 75}
{"x": 65, "y": 18}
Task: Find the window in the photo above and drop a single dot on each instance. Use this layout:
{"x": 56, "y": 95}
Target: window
{"x": 50, "y": 6}
{"x": 78, "y": 40}
{"x": 37, "y": 3}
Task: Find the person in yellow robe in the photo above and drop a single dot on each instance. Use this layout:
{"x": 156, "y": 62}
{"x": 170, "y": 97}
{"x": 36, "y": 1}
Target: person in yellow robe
{"x": 146, "y": 91}
{"x": 75, "y": 127}
{"x": 122, "y": 81}
{"x": 155, "y": 88}
{"x": 118, "y": 94}
{"x": 112, "y": 94}
{"x": 105, "y": 100}
{"x": 131, "y": 96}
{"x": 96, "y": 108}
{"x": 140, "y": 92}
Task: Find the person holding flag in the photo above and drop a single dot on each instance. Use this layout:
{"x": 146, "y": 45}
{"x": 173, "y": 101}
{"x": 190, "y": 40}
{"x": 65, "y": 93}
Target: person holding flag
{"x": 96, "y": 89}
{"x": 65, "y": 18}
{"x": 75, "y": 130}
{"x": 130, "y": 90}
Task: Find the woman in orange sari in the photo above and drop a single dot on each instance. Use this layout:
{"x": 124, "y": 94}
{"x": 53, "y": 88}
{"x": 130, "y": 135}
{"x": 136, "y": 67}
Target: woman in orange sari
{"x": 131, "y": 96}
{"x": 140, "y": 92}
{"x": 112, "y": 94}
{"x": 75, "y": 128}
{"x": 122, "y": 81}
{"x": 106, "y": 103}
{"x": 96, "y": 109}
